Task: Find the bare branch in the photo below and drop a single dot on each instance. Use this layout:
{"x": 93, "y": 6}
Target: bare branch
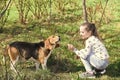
{"x": 3, "y": 12}
{"x": 103, "y": 13}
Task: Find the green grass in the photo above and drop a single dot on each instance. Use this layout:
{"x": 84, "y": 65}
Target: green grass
{"x": 62, "y": 65}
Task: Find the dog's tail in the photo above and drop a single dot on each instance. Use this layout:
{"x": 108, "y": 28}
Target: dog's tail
{"x": 5, "y": 54}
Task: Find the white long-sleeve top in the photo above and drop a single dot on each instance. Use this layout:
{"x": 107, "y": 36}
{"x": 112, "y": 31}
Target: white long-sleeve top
{"x": 93, "y": 46}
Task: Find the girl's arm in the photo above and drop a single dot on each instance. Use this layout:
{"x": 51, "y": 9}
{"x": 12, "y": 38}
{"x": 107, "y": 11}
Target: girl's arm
{"x": 84, "y": 53}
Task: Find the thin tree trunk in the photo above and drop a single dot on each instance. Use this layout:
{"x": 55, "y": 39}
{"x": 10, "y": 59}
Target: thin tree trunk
{"x": 85, "y": 11}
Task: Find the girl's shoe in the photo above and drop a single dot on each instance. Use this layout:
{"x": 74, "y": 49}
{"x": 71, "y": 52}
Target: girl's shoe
{"x": 97, "y": 71}
{"x": 87, "y": 75}
{"x": 103, "y": 71}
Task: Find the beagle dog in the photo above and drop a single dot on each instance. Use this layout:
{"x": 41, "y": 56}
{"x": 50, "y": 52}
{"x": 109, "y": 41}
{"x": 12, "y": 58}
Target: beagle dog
{"x": 40, "y": 52}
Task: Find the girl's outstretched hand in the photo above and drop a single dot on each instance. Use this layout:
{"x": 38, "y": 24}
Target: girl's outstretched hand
{"x": 70, "y": 47}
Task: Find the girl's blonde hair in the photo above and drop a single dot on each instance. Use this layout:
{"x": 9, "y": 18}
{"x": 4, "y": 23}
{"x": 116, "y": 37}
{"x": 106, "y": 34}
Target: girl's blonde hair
{"x": 91, "y": 27}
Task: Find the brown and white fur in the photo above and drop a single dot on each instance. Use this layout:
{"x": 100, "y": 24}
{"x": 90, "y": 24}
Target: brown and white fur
{"x": 40, "y": 52}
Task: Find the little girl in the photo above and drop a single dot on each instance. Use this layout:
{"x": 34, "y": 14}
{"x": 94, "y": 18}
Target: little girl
{"x": 94, "y": 55}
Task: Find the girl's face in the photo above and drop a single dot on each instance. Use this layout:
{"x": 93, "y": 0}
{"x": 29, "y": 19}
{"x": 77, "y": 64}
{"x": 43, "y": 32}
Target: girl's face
{"x": 84, "y": 33}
